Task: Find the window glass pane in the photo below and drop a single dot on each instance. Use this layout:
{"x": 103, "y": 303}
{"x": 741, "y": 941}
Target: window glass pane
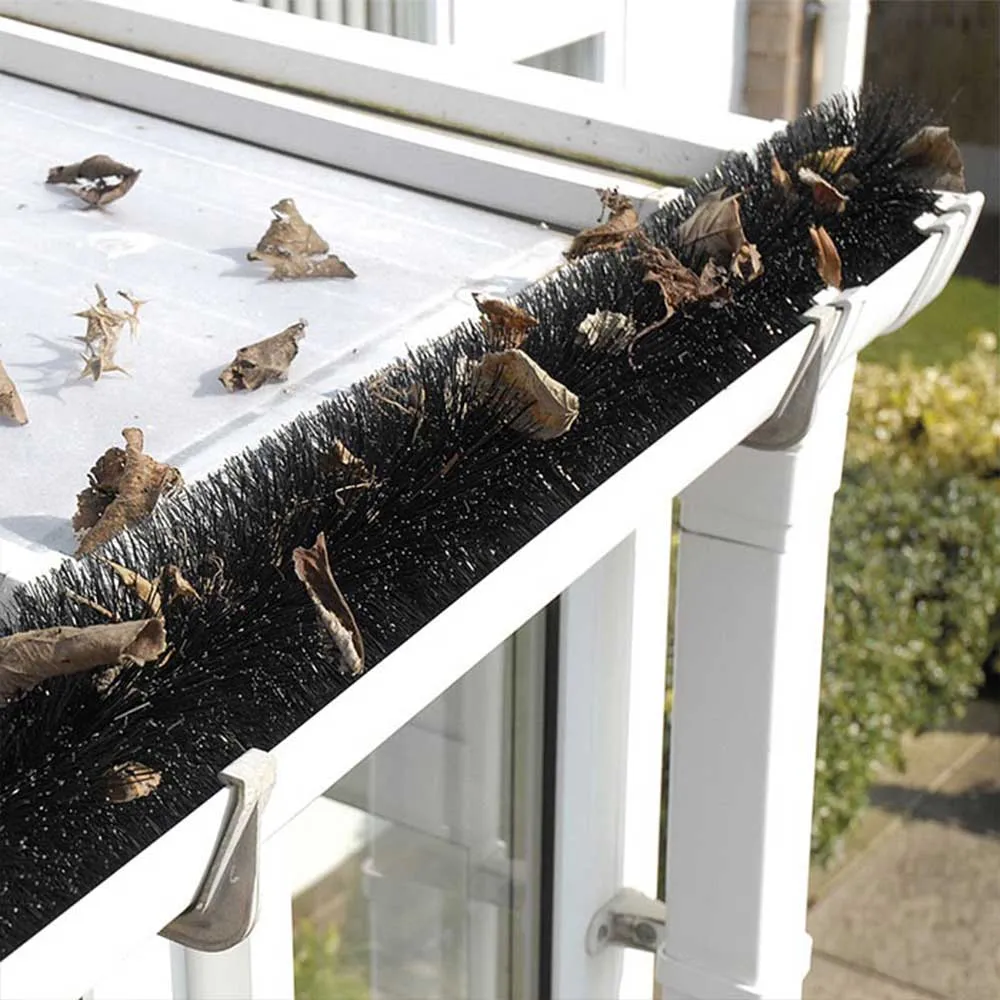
{"x": 584, "y": 59}
{"x": 416, "y": 875}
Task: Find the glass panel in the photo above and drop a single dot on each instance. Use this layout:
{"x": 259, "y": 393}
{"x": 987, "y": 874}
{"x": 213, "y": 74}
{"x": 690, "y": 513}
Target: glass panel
{"x": 416, "y": 875}
{"x": 584, "y": 59}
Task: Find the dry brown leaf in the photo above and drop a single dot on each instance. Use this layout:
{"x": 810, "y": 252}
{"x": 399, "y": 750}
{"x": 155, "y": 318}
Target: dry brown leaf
{"x": 312, "y": 567}
{"x": 28, "y": 658}
{"x": 830, "y": 160}
{"x": 288, "y": 234}
{"x": 124, "y": 488}
{"x": 611, "y": 332}
{"x": 544, "y": 408}
{"x": 935, "y": 158}
{"x": 714, "y": 232}
{"x": 11, "y": 406}
{"x": 780, "y": 176}
{"x": 169, "y": 585}
{"x": 825, "y": 196}
{"x": 265, "y": 361}
{"x": 677, "y": 282}
{"x": 131, "y": 780}
{"x": 343, "y": 458}
{"x": 504, "y": 325}
{"x": 297, "y": 266}
{"x": 613, "y": 233}
{"x": 827, "y": 257}
{"x": 97, "y": 180}
{"x": 104, "y": 327}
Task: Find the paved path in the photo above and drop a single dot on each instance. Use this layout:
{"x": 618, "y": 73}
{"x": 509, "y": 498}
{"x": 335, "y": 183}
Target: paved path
{"x": 915, "y": 913}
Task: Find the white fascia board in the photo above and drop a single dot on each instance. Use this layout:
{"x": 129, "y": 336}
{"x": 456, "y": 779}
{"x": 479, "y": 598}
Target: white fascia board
{"x": 448, "y": 87}
{"x": 477, "y": 171}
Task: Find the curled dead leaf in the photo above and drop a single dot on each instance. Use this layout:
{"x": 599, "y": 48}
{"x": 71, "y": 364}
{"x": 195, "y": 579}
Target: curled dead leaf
{"x": 97, "y": 180}
{"x": 934, "y": 159}
{"x": 124, "y": 487}
{"x": 288, "y": 234}
{"x": 827, "y": 257}
{"x": 312, "y": 567}
{"x": 780, "y": 176}
{"x": 611, "y": 234}
{"x": 505, "y": 326}
{"x": 28, "y": 658}
{"x": 825, "y": 196}
{"x": 169, "y": 585}
{"x": 714, "y": 233}
{"x": 131, "y": 780}
{"x": 104, "y": 327}
{"x": 610, "y": 332}
{"x": 830, "y": 160}
{"x": 265, "y": 361}
{"x": 11, "y": 406}
{"x": 542, "y": 407}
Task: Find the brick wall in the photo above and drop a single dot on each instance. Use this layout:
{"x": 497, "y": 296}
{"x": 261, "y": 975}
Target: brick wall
{"x": 774, "y": 54}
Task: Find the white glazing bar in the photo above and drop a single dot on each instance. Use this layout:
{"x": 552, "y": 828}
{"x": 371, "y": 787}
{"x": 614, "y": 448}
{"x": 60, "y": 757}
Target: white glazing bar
{"x": 454, "y": 87}
{"x": 612, "y": 658}
{"x": 844, "y": 41}
{"x": 262, "y": 966}
{"x": 751, "y": 588}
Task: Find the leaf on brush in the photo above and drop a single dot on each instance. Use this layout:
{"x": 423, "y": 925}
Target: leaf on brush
{"x": 124, "y": 488}
{"x": 677, "y": 282}
{"x": 342, "y": 457}
{"x": 265, "y": 361}
{"x": 827, "y": 257}
{"x": 543, "y": 408}
{"x": 935, "y": 159}
{"x": 28, "y": 658}
{"x": 11, "y": 406}
{"x": 504, "y": 325}
{"x": 613, "y": 233}
{"x": 288, "y": 234}
{"x": 131, "y": 780}
{"x": 714, "y": 232}
{"x": 312, "y": 567}
{"x": 610, "y": 332}
{"x": 829, "y": 160}
{"x": 97, "y": 180}
{"x": 298, "y": 266}
{"x": 780, "y": 176}
{"x": 825, "y": 196}
{"x": 169, "y": 585}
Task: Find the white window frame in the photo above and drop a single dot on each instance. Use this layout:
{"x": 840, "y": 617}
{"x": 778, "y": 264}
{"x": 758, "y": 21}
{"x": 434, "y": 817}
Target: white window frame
{"x": 596, "y": 555}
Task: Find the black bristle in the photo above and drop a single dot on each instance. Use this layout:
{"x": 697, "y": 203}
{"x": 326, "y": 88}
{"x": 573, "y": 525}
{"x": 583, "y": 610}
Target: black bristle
{"x": 248, "y": 662}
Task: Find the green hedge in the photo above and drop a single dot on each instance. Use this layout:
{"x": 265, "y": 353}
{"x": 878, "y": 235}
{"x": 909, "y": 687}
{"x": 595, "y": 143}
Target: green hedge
{"x": 913, "y": 605}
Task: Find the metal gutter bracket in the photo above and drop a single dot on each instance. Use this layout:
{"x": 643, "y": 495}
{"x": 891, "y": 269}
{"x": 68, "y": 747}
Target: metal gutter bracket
{"x": 225, "y": 909}
{"x": 834, "y": 318}
{"x": 631, "y": 919}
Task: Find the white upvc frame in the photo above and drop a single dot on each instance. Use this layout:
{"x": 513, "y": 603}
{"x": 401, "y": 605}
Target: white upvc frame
{"x": 596, "y": 544}
{"x": 445, "y": 87}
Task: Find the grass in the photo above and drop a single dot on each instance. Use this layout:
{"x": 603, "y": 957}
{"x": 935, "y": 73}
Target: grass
{"x": 942, "y": 332}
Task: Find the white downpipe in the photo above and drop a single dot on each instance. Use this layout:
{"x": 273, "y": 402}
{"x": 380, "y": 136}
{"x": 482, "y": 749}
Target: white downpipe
{"x": 751, "y": 586}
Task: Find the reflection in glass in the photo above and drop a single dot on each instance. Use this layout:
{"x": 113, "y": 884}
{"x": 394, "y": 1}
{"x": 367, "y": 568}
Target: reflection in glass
{"x": 416, "y": 875}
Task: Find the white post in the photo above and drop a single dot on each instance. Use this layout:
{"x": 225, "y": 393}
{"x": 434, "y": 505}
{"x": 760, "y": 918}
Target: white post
{"x": 843, "y": 44}
{"x": 751, "y": 590}
{"x": 612, "y": 665}
{"x": 259, "y": 968}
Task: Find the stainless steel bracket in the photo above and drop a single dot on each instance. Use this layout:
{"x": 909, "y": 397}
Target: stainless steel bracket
{"x": 225, "y": 909}
{"x": 630, "y": 919}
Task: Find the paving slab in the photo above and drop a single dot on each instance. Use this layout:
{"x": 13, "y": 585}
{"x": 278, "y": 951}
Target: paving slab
{"x": 923, "y": 905}
{"x": 832, "y": 980}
